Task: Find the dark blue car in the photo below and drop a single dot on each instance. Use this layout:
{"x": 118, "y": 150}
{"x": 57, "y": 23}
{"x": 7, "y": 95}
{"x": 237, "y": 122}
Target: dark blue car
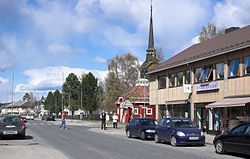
{"x": 178, "y": 131}
{"x": 141, "y": 127}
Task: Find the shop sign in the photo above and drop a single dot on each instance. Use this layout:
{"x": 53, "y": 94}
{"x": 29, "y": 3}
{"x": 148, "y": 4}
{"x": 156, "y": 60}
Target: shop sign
{"x": 207, "y": 86}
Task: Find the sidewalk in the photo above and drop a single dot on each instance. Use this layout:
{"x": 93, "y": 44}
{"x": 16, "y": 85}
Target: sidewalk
{"x": 95, "y": 127}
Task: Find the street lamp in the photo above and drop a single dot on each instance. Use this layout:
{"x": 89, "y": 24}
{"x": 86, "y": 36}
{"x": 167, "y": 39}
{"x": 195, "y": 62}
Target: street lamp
{"x": 144, "y": 83}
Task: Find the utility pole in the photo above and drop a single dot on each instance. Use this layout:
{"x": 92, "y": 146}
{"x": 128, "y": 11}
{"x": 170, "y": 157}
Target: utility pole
{"x": 12, "y": 87}
{"x": 62, "y": 91}
{"x": 81, "y": 98}
{"x": 144, "y": 83}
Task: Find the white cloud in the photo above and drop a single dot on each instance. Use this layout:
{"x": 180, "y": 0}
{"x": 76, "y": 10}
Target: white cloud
{"x": 51, "y": 78}
{"x": 59, "y": 48}
{"x": 232, "y": 13}
{"x": 100, "y": 60}
{"x": 6, "y": 60}
{"x": 3, "y": 80}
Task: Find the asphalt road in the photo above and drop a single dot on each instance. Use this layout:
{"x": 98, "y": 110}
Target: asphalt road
{"x": 79, "y": 143}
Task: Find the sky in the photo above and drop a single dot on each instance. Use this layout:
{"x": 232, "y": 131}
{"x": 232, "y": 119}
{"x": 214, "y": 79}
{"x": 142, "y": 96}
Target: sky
{"x": 42, "y": 41}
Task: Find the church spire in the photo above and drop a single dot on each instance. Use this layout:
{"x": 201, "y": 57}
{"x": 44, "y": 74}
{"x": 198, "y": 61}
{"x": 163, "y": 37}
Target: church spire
{"x": 151, "y": 49}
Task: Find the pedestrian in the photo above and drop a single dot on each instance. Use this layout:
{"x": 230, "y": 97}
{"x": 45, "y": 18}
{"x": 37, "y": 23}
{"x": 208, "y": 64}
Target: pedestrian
{"x": 63, "y": 121}
{"x": 115, "y": 120}
{"x": 107, "y": 119}
{"x": 103, "y": 118}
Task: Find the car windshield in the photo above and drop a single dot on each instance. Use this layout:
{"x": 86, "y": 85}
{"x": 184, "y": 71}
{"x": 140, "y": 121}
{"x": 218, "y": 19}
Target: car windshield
{"x": 183, "y": 123}
{"x": 10, "y": 119}
{"x": 148, "y": 122}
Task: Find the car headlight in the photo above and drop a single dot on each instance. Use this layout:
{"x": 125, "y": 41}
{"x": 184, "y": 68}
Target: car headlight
{"x": 202, "y": 134}
{"x": 179, "y": 133}
{"x": 150, "y": 131}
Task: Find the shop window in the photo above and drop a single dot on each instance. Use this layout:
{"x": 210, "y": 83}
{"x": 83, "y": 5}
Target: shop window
{"x": 220, "y": 71}
{"x": 149, "y": 111}
{"x": 234, "y": 68}
{"x": 206, "y": 74}
{"x": 136, "y": 111}
{"x": 180, "y": 79}
{"x": 247, "y": 65}
{"x": 172, "y": 80}
{"x": 198, "y": 74}
{"x": 187, "y": 77}
{"x": 162, "y": 82}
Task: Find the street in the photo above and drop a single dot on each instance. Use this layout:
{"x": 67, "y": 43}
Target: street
{"x": 45, "y": 140}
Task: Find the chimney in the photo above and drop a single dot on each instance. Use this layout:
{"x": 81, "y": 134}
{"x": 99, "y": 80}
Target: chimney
{"x": 228, "y": 30}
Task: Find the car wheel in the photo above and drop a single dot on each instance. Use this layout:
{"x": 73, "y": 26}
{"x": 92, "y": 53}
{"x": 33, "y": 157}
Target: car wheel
{"x": 173, "y": 141}
{"x": 142, "y": 135}
{"x": 219, "y": 147}
{"x": 157, "y": 138}
{"x": 128, "y": 134}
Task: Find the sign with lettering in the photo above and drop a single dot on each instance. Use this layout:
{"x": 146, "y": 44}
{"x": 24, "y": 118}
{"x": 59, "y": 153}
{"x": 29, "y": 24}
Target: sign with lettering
{"x": 207, "y": 86}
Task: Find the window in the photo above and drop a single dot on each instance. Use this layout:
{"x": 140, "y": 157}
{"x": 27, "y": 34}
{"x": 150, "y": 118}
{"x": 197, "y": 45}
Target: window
{"x": 219, "y": 71}
{"x": 162, "y": 82}
{"x": 172, "y": 80}
{"x": 197, "y": 74}
{"x": 149, "y": 111}
{"x": 233, "y": 68}
{"x": 187, "y": 77}
{"x": 136, "y": 111}
{"x": 247, "y": 65}
{"x": 206, "y": 74}
{"x": 180, "y": 78}
{"x": 239, "y": 130}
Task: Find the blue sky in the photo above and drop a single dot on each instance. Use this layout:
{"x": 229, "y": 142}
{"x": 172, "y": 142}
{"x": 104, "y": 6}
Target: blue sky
{"x": 42, "y": 41}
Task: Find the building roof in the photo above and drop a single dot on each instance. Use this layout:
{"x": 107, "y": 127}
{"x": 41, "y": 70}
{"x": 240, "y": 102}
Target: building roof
{"x": 136, "y": 94}
{"x": 21, "y": 104}
{"x": 226, "y": 43}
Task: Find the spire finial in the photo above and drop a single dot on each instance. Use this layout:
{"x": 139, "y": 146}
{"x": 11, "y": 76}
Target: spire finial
{"x": 151, "y": 35}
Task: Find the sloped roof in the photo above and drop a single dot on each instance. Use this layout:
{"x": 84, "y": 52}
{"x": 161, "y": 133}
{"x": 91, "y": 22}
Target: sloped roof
{"x": 136, "y": 94}
{"x": 21, "y": 104}
{"x": 229, "y": 42}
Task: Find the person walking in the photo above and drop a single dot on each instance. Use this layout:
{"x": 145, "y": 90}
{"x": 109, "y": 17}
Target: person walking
{"x": 103, "y": 118}
{"x": 107, "y": 119}
{"x": 63, "y": 121}
{"x": 115, "y": 120}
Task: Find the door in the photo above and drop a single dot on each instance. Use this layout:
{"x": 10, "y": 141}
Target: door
{"x": 235, "y": 142}
{"x": 159, "y": 128}
{"x": 246, "y": 141}
{"x": 168, "y": 130}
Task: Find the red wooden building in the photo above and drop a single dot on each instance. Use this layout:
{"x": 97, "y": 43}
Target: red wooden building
{"x": 131, "y": 105}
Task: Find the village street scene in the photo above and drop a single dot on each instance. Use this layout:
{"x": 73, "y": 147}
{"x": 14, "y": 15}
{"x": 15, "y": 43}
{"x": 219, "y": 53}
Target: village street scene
{"x": 124, "y": 79}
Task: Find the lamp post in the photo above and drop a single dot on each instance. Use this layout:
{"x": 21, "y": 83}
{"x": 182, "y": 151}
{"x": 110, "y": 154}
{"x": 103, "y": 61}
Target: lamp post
{"x": 144, "y": 83}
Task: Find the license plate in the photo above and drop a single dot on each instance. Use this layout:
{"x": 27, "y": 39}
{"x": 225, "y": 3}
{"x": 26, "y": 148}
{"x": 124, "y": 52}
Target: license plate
{"x": 10, "y": 132}
{"x": 193, "y": 138}
{"x": 10, "y": 126}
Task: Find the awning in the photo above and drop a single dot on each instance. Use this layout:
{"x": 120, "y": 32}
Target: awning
{"x": 176, "y": 102}
{"x": 229, "y": 102}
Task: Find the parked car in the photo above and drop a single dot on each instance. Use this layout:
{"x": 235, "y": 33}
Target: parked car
{"x": 23, "y": 116}
{"x": 236, "y": 140}
{"x": 179, "y": 131}
{"x": 12, "y": 125}
{"x": 48, "y": 117}
{"x": 141, "y": 127}
{"x": 29, "y": 117}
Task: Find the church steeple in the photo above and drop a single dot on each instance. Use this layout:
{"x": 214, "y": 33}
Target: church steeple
{"x": 151, "y": 48}
{"x": 151, "y": 60}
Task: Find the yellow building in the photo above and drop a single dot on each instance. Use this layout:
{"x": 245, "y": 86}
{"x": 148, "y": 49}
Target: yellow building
{"x": 208, "y": 82}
